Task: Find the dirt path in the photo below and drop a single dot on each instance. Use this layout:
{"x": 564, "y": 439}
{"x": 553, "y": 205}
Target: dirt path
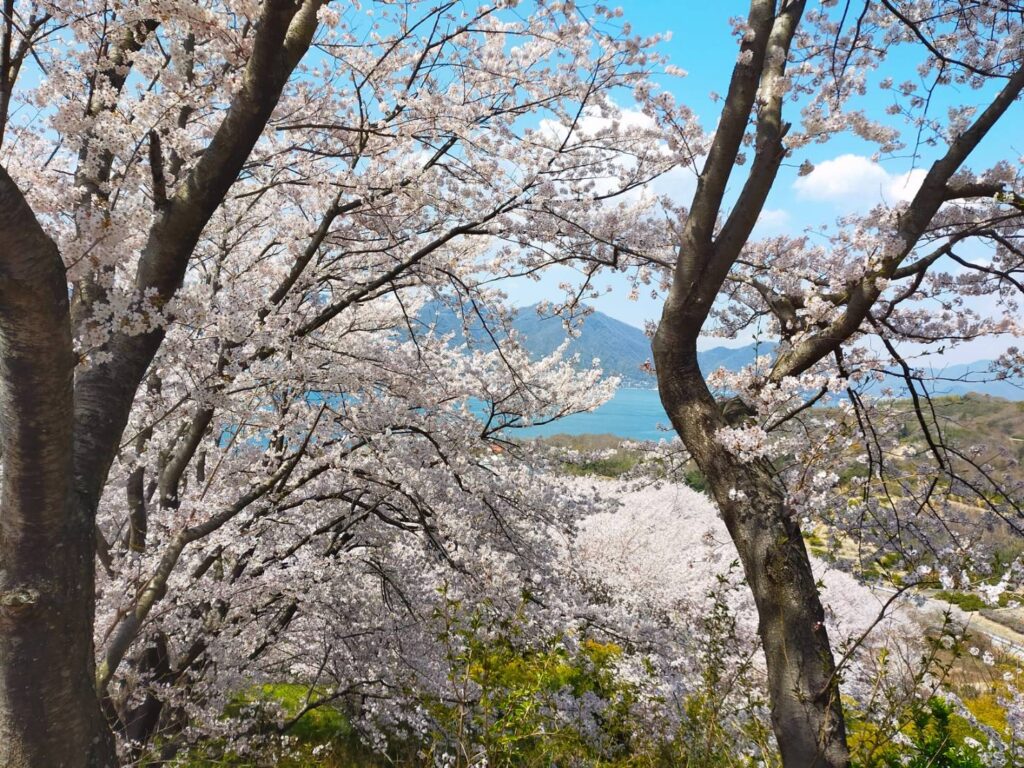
{"x": 1007, "y": 640}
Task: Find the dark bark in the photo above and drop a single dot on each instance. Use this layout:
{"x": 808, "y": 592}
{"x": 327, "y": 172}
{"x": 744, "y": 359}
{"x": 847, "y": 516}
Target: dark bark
{"x": 142, "y": 720}
{"x": 807, "y": 714}
{"x": 49, "y": 712}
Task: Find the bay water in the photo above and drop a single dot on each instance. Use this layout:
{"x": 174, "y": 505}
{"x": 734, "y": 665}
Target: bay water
{"x": 635, "y": 414}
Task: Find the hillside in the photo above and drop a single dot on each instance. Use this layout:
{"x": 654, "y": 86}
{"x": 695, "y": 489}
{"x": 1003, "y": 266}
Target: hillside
{"x": 975, "y": 419}
{"x": 966, "y": 378}
{"x": 621, "y": 348}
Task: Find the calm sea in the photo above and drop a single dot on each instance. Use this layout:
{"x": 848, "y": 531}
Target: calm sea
{"x": 632, "y": 413}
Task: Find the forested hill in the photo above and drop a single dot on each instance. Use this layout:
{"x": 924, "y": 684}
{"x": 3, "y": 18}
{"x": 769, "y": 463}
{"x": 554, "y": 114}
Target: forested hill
{"x": 621, "y": 348}
{"x": 624, "y": 349}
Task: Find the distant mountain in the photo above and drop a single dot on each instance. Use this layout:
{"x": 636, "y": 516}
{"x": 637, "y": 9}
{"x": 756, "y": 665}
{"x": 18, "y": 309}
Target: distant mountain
{"x": 732, "y": 358}
{"x": 624, "y": 349}
{"x": 621, "y": 348}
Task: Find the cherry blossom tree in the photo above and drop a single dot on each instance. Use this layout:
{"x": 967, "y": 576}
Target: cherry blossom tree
{"x": 236, "y": 448}
{"x": 848, "y": 309}
{"x": 843, "y": 308}
{"x": 219, "y": 224}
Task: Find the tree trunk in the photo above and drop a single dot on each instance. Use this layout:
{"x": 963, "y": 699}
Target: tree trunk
{"x": 49, "y": 713}
{"x": 807, "y": 714}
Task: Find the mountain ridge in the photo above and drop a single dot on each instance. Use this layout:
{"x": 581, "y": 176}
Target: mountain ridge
{"x": 624, "y": 351}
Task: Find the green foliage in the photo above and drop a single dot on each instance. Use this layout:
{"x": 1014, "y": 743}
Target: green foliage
{"x": 966, "y": 601}
{"x": 884, "y": 567}
{"x": 613, "y": 466}
{"x": 1003, "y": 558}
{"x": 509, "y": 691}
{"x": 897, "y": 726}
{"x": 509, "y": 697}
{"x": 933, "y": 738}
{"x": 708, "y": 736}
{"x": 314, "y": 736}
{"x": 515, "y": 700}
{"x": 815, "y": 543}
{"x": 694, "y": 478}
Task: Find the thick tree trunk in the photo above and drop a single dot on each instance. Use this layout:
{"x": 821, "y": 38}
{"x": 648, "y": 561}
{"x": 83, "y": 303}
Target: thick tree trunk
{"x": 49, "y": 713}
{"x": 807, "y": 715}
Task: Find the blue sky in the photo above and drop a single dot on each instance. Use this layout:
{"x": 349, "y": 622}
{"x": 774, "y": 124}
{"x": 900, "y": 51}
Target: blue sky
{"x": 845, "y": 180}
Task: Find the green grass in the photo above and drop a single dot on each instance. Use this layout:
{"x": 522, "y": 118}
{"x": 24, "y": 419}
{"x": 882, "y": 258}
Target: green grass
{"x": 965, "y": 601}
{"x": 613, "y": 466}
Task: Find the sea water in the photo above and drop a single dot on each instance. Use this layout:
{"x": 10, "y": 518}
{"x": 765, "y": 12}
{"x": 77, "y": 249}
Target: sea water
{"x": 635, "y": 414}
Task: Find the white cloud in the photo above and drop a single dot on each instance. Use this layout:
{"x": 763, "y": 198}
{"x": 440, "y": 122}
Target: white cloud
{"x": 590, "y": 122}
{"x": 678, "y": 184}
{"x": 772, "y": 221}
{"x": 858, "y": 182}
